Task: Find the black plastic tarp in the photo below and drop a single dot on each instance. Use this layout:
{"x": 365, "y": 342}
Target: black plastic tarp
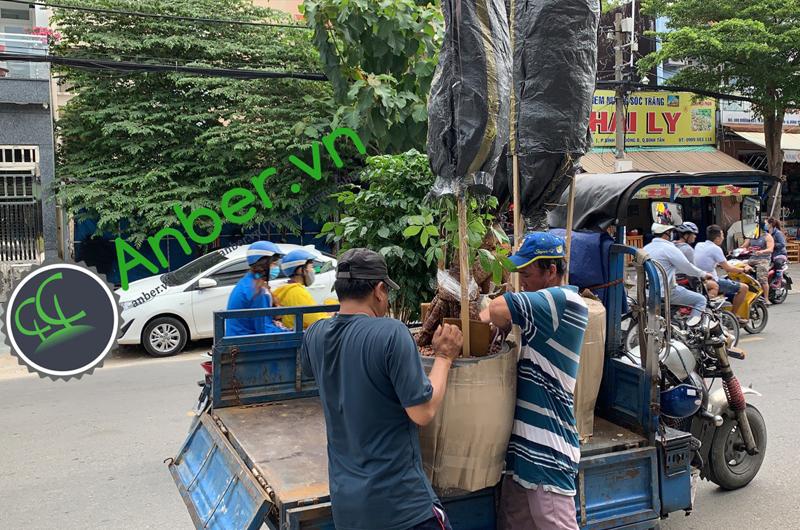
{"x": 555, "y": 66}
{"x": 469, "y": 104}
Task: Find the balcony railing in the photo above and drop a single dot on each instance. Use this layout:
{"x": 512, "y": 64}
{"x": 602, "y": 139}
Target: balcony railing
{"x": 14, "y": 44}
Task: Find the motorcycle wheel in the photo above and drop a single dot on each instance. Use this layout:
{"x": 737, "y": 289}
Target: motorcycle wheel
{"x": 731, "y": 324}
{"x": 759, "y": 316}
{"x": 731, "y": 467}
{"x": 781, "y": 298}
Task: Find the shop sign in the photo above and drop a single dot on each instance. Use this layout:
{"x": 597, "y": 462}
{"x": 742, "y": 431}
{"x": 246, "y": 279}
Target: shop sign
{"x": 741, "y": 112}
{"x": 793, "y": 157}
{"x": 654, "y": 119}
{"x": 664, "y": 191}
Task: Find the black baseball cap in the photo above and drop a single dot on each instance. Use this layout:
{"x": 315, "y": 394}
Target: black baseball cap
{"x": 363, "y": 264}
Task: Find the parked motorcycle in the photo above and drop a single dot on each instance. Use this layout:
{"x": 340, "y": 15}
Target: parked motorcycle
{"x": 204, "y": 400}
{"x": 731, "y": 432}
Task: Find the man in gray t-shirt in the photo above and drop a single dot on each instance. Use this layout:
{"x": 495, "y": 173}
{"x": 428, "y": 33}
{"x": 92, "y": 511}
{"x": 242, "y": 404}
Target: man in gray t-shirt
{"x": 708, "y": 256}
{"x": 374, "y": 393}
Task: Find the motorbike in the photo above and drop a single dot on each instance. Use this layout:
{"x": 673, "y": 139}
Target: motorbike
{"x": 204, "y": 400}
{"x": 721, "y": 307}
{"x": 754, "y": 309}
{"x": 731, "y": 433}
{"x": 780, "y": 283}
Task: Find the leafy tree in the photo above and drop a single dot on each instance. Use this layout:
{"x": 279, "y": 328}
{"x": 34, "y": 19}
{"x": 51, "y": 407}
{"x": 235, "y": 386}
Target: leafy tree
{"x": 375, "y": 218}
{"x": 135, "y": 144}
{"x": 750, "y": 47}
{"x": 380, "y": 56}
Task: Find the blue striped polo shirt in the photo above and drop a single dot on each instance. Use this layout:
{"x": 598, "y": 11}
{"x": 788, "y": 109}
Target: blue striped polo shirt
{"x": 544, "y": 447}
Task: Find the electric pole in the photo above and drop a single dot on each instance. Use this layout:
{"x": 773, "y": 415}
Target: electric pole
{"x": 620, "y": 93}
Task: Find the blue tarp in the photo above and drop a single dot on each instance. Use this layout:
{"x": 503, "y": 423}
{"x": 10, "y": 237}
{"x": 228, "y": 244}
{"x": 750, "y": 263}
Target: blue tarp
{"x": 589, "y": 260}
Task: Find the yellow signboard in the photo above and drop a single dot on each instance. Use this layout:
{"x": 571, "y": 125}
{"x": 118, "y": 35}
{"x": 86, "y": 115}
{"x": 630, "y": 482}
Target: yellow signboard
{"x": 654, "y": 119}
{"x": 664, "y": 191}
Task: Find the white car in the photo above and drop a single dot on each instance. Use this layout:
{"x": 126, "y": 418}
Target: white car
{"x": 164, "y": 312}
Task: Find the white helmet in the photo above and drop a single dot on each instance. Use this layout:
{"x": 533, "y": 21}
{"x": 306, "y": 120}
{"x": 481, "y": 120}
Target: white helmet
{"x": 658, "y": 228}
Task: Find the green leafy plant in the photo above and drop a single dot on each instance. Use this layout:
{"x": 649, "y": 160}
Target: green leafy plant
{"x": 380, "y": 56}
{"x": 375, "y": 217}
{"x": 442, "y": 238}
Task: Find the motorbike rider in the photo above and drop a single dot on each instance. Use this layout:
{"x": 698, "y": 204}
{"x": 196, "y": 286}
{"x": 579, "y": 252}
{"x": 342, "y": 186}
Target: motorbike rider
{"x": 708, "y": 256}
{"x": 667, "y": 254}
{"x": 773, "y": 226}
{"x": 687, "y": 235}
{"x": 298, "y": 266}
{"x": 252, "y": 291}
{"x": 763, "y": 245}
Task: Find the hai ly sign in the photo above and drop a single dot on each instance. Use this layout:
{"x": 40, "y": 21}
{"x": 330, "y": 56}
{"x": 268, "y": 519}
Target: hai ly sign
{"x": 654, "y": 119}
{"x": 664, "y": 191}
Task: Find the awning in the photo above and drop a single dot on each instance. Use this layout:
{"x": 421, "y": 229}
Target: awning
{"x": 695, "y": 159}
{"x": 790, "y": 143}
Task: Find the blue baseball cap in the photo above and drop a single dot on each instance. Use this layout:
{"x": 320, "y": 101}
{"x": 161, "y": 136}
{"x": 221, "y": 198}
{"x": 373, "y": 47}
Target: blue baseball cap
{"x": 538, "y": 245}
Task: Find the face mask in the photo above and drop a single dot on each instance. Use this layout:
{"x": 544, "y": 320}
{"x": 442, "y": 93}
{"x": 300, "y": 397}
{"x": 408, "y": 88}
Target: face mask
{"x": 308, "y": 278}
{"x": 274, "y": 272}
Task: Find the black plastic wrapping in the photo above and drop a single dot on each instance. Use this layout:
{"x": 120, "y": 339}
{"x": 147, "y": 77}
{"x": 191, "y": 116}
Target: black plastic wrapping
{"x": 469, "y": 105}
{"x": 555, "y": 66}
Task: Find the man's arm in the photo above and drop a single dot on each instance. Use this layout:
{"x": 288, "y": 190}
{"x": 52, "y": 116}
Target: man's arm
{"x": 770, "y": 246}
{"x": 498, "y": 314}
{"x": 447, "y": 343}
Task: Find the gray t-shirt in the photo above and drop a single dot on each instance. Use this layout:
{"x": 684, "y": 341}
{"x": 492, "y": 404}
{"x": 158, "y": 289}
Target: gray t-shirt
{"x": 687, "y": 250}
{"x": 368, "y": 370}
{"x": 706, "y": 257}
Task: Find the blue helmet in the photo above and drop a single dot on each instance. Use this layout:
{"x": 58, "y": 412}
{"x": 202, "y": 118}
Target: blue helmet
{"x": 294, "y": 259}
{"x": 262, "y": 249}
{"x": 681, "y": 401}
{"x": 688, "y": 227}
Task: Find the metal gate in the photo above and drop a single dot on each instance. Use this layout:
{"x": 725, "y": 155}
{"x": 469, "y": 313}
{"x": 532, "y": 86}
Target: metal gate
{"x": 21, "y": 231}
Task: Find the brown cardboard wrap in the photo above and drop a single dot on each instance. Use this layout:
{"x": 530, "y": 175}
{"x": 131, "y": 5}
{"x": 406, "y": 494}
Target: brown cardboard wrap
{"x": 590, "y": 367}
{"x": 464, "y": 447}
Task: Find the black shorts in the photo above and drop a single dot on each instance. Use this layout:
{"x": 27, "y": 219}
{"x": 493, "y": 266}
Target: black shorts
{"x": 438, "y": 521}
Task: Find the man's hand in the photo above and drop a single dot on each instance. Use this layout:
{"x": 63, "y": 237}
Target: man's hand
{"x": 447, "y": 341}
{"x": 748, "y": 268}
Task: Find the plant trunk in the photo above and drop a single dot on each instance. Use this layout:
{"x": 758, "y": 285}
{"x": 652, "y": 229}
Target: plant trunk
{"x": 773, "y": 131}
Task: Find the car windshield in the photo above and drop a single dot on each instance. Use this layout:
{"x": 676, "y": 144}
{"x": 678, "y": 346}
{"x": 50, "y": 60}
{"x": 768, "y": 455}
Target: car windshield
{"x": 190, "y": 270}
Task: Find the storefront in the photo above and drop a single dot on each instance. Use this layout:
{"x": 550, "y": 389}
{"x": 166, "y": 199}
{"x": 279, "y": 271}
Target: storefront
{"x": 667, "y": 132}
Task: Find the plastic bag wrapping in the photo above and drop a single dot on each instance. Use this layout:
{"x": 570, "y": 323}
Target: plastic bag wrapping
{"x": 555, "y": 67}
{"x": 469, "y": 105}
{"x": 464, "y": 447}
{"x": 450, "y": 287}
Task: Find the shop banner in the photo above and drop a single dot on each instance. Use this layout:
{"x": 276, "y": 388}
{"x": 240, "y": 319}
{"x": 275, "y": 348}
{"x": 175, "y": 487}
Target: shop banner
{"x": 654, "y": 119}
{"x": 664, "y": 191}
{"x": 741, "y": 112}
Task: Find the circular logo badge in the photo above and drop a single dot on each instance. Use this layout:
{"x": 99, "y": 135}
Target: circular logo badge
{"x": 61, "y": 320}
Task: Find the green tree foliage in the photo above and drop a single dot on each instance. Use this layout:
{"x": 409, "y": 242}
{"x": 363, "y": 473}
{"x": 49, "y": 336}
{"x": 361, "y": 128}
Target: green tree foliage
{"x": 750, "y": 47}
{"x": 375, "y": 218}
{"x": 135, "y": 144}
{"x": 380, "y": 56}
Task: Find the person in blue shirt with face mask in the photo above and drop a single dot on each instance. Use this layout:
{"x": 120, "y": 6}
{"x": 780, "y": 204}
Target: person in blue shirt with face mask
{"x": 252, "y": 291}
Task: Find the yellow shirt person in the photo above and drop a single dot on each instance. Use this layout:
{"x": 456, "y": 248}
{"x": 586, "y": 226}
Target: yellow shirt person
{"x": 298, "y": 266}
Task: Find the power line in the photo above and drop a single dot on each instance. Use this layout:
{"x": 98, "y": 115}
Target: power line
{"x": 128, "y": 66}
{"x": 153, "y": 15}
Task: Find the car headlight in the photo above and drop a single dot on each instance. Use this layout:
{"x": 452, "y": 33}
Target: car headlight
{"x": 127, "y": 305}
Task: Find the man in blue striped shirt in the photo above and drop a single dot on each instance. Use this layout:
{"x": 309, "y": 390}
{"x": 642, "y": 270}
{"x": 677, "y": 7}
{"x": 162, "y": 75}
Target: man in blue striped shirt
{"x": 543, "y": 453}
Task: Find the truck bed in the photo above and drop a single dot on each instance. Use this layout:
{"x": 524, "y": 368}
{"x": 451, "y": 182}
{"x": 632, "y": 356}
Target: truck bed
{"x": 286, "y": 443}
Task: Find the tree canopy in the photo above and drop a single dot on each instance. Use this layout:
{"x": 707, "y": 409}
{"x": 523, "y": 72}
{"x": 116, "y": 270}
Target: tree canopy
{"x": 750, "y": 47}
{"x": 380, "y": 56}
{"x": 135, "y": 144}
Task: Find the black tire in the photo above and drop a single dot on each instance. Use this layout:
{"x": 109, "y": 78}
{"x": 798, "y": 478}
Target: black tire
{"x": 732, "y": 469}
{"x": 759, "y": 316}
{"x": 731, "y": 325}
{"x": 164, "y": 336}
{"x": 782, "y": 298}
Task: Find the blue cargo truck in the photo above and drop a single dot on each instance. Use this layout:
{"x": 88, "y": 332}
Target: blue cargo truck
{"x": 256, "y": 457}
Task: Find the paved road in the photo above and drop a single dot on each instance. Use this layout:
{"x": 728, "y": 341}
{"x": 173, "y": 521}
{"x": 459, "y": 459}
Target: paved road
{"x": 88, "y": 455}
